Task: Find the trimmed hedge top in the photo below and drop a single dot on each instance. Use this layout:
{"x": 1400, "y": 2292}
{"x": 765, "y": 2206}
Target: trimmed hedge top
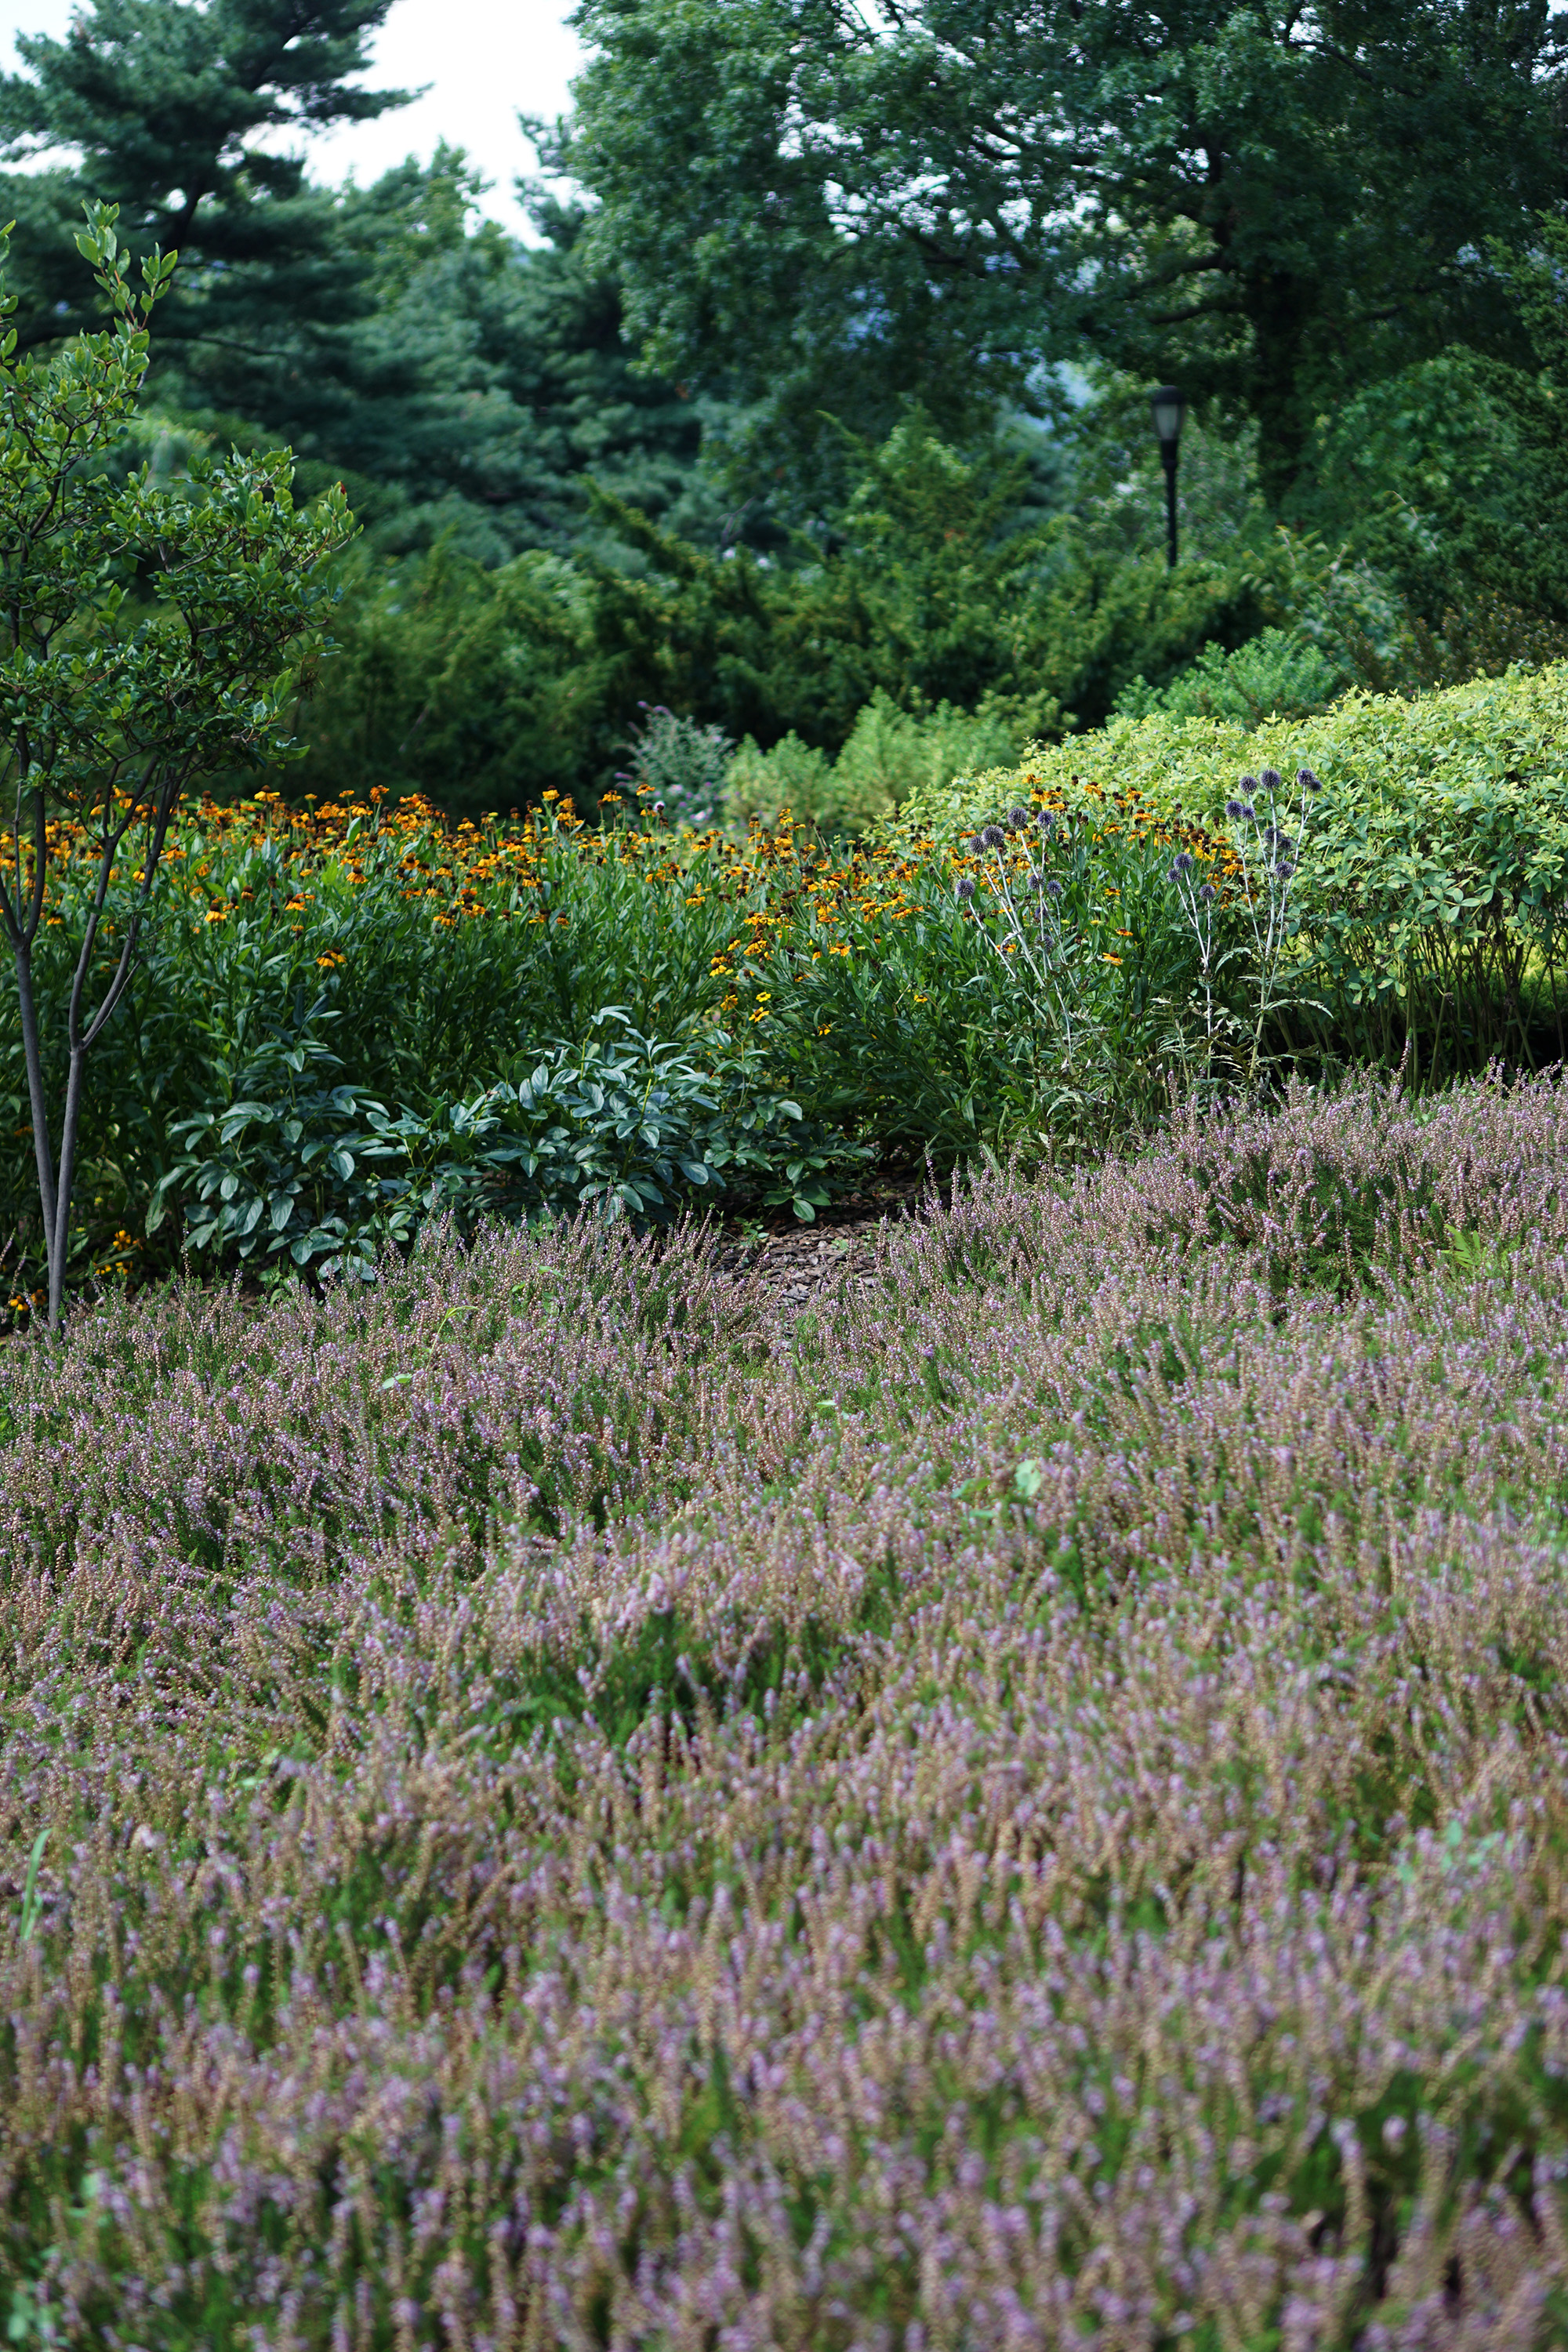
{"x": 1502, "y": 732}
{"x": 1436, "y": 882}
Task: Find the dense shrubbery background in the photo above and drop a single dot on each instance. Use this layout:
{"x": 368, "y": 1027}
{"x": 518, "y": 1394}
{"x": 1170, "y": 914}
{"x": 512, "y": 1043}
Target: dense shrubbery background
{"x": 551, "y": 1795}
{"x": 344, "y": 1021}
{"x": 554, "y": 539}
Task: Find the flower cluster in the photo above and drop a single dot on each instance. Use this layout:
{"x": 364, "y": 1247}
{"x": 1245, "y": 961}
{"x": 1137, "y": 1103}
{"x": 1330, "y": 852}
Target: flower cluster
{"x": 535, "y": 1810}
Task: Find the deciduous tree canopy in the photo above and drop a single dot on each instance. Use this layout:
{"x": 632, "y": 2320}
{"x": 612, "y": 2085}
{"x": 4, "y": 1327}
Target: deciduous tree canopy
{"x": 1271, "y": 202}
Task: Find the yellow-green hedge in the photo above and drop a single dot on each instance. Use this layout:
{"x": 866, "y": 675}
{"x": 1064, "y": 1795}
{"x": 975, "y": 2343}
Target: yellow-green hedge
{"x": 1432, "y": 904}
{"x": 1510, "y": 732}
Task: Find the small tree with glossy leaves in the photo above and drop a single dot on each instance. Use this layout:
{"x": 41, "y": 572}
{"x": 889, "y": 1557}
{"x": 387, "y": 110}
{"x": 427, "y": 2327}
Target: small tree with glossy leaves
{"x": 148, "y": 633}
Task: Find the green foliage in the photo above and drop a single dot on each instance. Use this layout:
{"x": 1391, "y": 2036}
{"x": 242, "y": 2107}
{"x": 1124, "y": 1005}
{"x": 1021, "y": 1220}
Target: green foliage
{"x": 907, "y": 1008}
{"x": 678, "y": 767}
{"x": 460, "y": 383}
{"x": 1429, "y": 911}
{"x": 114, "y": 701}
{"x": 283, "y": 1167}
{"x": 1273, "y": 675}
{"x": 291, "y": 1172}
{"x": 761, "y": 786}
{"x": 890, "y": 755}
{"x": 481, "y": 688}
{"x": 828, "y": 209}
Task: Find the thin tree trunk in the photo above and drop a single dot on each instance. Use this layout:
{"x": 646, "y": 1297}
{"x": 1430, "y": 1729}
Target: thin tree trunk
{"x": 32, "y": 1056}
{"x": 63, "y": 1186}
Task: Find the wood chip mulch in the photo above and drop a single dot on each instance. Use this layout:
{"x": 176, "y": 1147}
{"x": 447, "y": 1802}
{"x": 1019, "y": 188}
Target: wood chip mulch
{"x": 791, "y": 1264}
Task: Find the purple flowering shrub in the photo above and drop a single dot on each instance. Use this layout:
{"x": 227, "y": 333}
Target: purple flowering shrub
{"x": 1029, "y": 1813}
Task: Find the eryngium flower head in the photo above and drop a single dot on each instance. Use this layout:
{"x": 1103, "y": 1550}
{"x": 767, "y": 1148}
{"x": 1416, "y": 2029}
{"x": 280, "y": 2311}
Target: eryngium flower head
{"x": 965, "y": 889}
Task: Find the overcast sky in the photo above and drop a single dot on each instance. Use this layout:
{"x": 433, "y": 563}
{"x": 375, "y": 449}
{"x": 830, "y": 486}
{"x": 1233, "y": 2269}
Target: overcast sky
{"x": 484, "y": 61}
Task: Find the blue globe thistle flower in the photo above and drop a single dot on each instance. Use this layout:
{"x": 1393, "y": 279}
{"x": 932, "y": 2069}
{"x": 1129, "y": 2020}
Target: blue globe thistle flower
{"x": 1208, "y": 894}
{"x": 1284, "y": 869}
{"x": 1017, "y": 819}
{"x": 993, "y": 837}
{"x": 1054, "y": 886}
{"x": 1249, "y": 783}
{"x": 964, "y": 888}
{"x": 1237, "y": 808}
{"x": 1270, "y": 779}
{"x": 1047, "y": 823}
{"x": 1307, "y": 782}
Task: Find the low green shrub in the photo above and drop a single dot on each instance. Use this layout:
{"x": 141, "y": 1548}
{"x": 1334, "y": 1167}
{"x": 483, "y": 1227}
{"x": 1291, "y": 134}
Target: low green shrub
{"x": 678, "y": 767}
{"x": 292, "y": 1172}
{"x": 1431, "y": 920}
{"x": 890, "y": 755}
{"x": 1276, "y": 675}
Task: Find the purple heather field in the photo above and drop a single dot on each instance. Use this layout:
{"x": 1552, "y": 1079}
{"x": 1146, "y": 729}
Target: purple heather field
{"x": 1029, "y": 1813}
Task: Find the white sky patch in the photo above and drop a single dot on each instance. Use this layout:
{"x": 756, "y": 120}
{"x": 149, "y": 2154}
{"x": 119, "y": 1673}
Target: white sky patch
{"x": 486, "y": 61}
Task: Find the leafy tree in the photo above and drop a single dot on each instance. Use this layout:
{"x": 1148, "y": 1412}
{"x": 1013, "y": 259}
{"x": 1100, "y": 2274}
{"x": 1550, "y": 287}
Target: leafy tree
{"x": 172, "y": 107}
{"x": 593, "y": 414}
{"x": 142, "y": 634}
{"x": 1271, "y": 203}
{"x": 481, "y": 688}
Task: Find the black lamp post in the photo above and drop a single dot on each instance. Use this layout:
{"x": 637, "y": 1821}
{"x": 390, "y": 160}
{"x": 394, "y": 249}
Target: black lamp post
{"x": 1170, "y": 407}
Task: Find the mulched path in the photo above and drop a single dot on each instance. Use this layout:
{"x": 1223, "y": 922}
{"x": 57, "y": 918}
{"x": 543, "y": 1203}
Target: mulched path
{"x": 792, "y": 1263}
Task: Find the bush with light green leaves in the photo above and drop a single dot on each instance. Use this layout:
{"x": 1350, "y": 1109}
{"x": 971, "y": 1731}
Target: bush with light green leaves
{"x": 1431, "y": 919}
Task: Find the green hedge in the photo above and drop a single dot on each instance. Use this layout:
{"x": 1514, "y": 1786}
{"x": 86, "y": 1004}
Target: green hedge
{"x": 1431, "y": 912}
